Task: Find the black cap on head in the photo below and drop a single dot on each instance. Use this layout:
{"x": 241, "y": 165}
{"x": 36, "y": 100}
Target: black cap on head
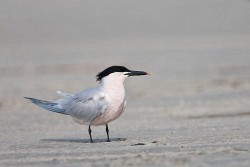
{"x": 110, "y": 70}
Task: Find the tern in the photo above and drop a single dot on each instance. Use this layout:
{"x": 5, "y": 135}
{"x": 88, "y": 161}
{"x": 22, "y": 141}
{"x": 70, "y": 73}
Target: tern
{"x": 94, "y": 106}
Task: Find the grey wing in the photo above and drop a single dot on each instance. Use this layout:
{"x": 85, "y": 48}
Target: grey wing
{"x": 87, "y": 107}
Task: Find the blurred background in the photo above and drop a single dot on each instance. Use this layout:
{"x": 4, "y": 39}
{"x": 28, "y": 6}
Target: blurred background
{"x": 190, "y": 47}
{"x": 198, "y": 53}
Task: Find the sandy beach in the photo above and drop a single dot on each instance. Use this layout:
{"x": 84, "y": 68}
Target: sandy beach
{"x": 193, "y": 110}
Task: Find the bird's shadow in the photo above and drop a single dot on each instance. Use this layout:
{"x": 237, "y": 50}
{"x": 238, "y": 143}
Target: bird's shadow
{"x": 84, "y": 140}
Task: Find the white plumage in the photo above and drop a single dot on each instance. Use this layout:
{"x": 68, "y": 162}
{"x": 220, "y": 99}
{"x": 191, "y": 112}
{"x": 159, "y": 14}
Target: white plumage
{"x": 94, "y": 106}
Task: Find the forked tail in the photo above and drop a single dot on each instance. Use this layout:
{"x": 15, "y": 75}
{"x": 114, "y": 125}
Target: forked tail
{"x": 47, "y": 105}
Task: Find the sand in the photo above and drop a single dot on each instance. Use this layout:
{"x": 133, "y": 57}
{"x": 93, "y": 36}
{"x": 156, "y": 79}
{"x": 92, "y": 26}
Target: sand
{"x": 194, "y": 110}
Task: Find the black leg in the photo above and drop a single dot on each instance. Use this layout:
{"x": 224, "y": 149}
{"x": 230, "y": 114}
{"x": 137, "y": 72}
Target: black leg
{"x": 90, "y": 134}
{"x": 107, "y": 130}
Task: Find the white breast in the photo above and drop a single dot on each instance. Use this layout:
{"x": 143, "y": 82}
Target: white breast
{"x": 111, "y": 114}
{"x": 115, "y": 95}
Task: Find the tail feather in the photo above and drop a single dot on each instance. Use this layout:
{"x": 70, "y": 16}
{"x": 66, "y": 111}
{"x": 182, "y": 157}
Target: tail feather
{"x": 48, "y": 105}
{"x": 64, "y": 94}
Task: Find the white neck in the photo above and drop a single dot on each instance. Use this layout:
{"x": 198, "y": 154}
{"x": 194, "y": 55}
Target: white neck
{"x": 114, "y": 85}
{"x": 111, "y": 83}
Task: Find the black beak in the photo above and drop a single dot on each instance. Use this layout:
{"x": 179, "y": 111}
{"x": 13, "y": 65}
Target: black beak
{"x": 136, "y": 73}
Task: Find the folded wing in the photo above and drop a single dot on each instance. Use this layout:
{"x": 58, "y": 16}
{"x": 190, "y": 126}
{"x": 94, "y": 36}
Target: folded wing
{"x": 86, "y": 105}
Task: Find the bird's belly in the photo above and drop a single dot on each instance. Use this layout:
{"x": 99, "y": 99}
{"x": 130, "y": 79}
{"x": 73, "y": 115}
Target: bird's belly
{"x": 109, "y": 115}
